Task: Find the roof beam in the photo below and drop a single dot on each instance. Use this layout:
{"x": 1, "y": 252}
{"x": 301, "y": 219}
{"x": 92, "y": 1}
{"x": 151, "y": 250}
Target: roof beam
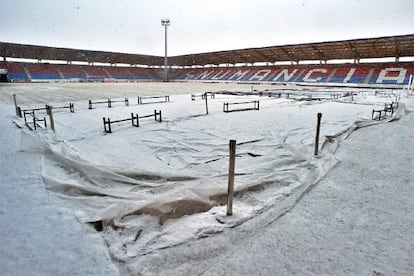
{"x": 318, "y": 52}
{"x": 355, "y": 53}
{"x": 291, "y": 56}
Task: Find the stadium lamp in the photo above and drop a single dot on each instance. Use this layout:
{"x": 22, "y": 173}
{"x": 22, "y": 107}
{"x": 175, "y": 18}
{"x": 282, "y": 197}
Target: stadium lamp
{"x": 165, "y": 22}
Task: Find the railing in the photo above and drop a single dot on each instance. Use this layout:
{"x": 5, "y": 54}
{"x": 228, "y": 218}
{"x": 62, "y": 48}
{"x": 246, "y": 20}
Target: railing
{"x": 134, "y": 120}
{"x": 203, "y": 96}
{"x": 141, "y": 98}
{"x": 244, "y": 106}
{"x": 109, "y": 102}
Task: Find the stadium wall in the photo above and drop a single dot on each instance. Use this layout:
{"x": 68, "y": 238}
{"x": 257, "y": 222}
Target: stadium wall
{"x": 341, "y": 74}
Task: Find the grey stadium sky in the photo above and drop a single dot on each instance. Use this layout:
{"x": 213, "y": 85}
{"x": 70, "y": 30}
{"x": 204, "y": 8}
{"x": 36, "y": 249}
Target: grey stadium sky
{"x": 198, "y": 25}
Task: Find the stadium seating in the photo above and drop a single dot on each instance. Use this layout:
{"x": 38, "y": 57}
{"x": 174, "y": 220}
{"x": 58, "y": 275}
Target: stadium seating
{"x": 144, "y": 74}
{"x": 153, "y": 74}
{"x": 389, "y": 73}
{"x": 351, "y": 74}
{"x": 15, "y": 70}
{"x": 315, "y": 74}
{"x": 43, "y": 71}
{"x": 95, "y": 73}
{"x": 119, "y": 73}
{"x": 385, "y": 73}
{"x": 73, "y": 72}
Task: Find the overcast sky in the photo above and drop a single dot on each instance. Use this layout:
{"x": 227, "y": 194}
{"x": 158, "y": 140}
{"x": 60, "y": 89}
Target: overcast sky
{"x": 134, "y": 26}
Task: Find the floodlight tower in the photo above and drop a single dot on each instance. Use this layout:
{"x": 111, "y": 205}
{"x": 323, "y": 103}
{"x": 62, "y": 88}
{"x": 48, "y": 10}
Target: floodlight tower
{"x": 165, "y": 22}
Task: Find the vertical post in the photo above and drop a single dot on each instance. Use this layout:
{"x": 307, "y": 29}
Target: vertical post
{"x": 230, "y": 189}
{"x": 15, "y": 105}
{"x": 206, "y": 103}
{"x": 133, "y": 118}
{"x": 165, "y": 22}
{"x": 52, "y": 121}
{"x": 166, "y": 57}
{"x": 90, "y": 104}
{"x": 318, "y": 126}
{"x": 109, "y": 103}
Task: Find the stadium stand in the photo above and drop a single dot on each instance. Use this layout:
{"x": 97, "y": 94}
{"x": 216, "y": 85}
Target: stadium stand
{"x": 385, "y": 73}
{"x": 73, "y": 72}
{"x": 221, "y": 66}
{"x": 15, "y": 70}
{"x": 388, "y": 73}
{"x": 154, "y": 74}
{"x": 95, "y": 73}
{"x": 144, "y": 74}
{"x": 43, "y": 71}
{"x": 316, "y": 74}
{"x": 119, "y": 73}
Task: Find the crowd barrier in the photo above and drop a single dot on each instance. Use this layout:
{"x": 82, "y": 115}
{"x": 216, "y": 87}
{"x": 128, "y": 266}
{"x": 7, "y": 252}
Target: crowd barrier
{"x": 151, "y": 98}
{"x": 33, "y": 124}
{"x": 203, "y": 95}
{"x": 109, "y": 102}
{"x": 388, "y": 109}
{"x": 134, "y": 120}
{"x": 244, "y": 106}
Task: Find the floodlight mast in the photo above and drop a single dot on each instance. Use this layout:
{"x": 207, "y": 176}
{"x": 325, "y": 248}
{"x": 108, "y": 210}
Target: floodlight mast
{"x": 165, "y": 22}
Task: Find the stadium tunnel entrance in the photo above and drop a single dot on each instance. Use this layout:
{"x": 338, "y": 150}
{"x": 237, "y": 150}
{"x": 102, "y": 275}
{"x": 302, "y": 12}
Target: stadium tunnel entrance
{"x": 4, "y": 77}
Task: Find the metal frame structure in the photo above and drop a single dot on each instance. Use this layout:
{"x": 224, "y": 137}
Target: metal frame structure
{"x": 381, "y": 47}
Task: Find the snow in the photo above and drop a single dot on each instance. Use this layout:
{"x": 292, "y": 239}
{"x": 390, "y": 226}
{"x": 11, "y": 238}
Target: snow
{"x": 157, "y": 192}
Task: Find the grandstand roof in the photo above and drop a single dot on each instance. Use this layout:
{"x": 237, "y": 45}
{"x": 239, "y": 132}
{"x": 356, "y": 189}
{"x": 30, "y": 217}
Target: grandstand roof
{"x": 13, "y": 50}
{"x": 391, "y": 46}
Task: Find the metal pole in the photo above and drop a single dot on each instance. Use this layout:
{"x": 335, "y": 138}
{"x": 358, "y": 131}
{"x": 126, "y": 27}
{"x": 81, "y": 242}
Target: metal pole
{"x": 230, "y": 189}
{"x": 15, "y": 105}
{"x": 206, "y": 103}
{"x": 318, "y": 126}
{"x": 409, "y": 85}
{"x": 52, "y": 121}
{"x": 165, "y": 57}
{"x": 165, "y": 22}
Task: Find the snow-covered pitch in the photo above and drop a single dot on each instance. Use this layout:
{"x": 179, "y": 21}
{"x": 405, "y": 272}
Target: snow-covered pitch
{"x": 151, "y": 199}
